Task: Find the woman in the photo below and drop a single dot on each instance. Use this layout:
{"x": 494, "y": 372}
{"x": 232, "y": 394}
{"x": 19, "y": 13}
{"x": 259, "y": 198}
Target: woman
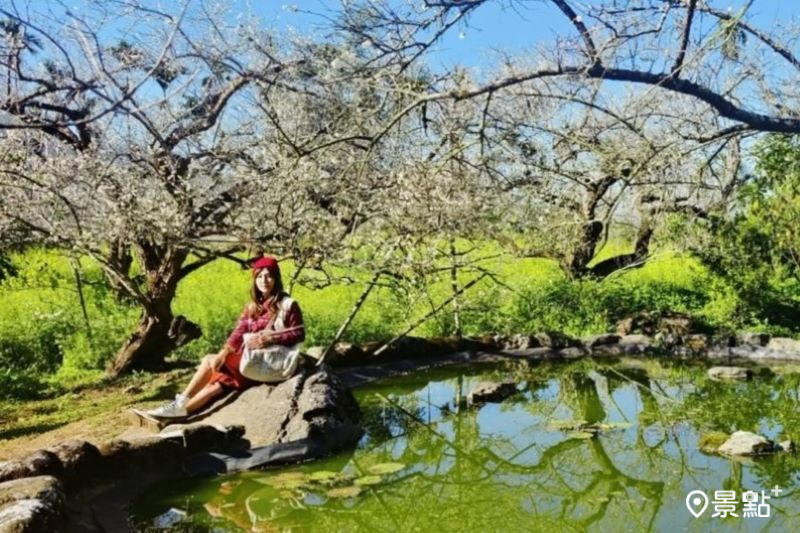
{"x": 219, "y": 373}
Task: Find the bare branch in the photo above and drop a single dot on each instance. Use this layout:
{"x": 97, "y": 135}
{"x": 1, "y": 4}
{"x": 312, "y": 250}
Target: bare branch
{"x": 687, "y": 30}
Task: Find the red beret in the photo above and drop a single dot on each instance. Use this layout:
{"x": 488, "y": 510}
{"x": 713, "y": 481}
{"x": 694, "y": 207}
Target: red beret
{"x": 270, "y": 263}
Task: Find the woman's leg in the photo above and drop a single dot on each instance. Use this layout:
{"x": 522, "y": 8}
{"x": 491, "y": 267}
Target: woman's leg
{"x": 203, "y": 397}
{"x": 200, "y": 378}
{"x": 197, "y": 394}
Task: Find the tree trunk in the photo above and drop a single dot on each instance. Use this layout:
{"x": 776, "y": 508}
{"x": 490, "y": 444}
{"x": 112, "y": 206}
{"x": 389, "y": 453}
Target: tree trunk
{"x": 592, "y": 233}
{"x": 158, "y": 331}
{"x": 637, "y": 259}
{"x": 155, "y": 337}
{"x": 585, "y": 250}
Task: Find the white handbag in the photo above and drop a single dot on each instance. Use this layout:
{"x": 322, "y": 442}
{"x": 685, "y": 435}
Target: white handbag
{"x": 273, "y": 363}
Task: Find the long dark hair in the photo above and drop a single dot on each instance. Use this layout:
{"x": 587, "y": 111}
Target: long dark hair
{"x": 260, "y": 302}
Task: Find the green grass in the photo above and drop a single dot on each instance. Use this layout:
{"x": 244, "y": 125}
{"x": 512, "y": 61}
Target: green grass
{"x": 93, "y": 410}
{"x": 51, "y": 362}
{"x": 46, "y": 345}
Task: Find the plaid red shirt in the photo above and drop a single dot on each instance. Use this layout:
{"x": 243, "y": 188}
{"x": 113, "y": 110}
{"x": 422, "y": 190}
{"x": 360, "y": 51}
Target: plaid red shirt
{"x": 293, "y": 318}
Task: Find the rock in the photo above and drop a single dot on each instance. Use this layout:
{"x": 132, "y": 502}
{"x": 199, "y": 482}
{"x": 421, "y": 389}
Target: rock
{"x": 574, "y": 352}
{"x": 722, "y": 340}
{"x": 421, "y": 348}
{"x": 608, "y": 350}
{"x": 81, "y": 461}
{"x": 756, "y": 353}
{"x": 234, "y": 433}
{"x": 646, "y": 323}
{"x": 593, "y": 341}
{"x": 39, "y": 463}
{"x": 315, "y": 351}
{"x": 203, "y": 437}
{"x": 682, "y": 351}
{"x": 346, "y": 353}
{"x": 639, "y": 323}
{"x": 260, "y": 410}
{"x": 326, "y": 412}
{"x": 746, "y": 443}
{"x": 484, "y": 342}
{"x": 491, "y": 392}
{"x": 625, "y": 327}
{"x": 32, "y": 504}
{"x": 697, "y": 342}
{"x": 666, "y": 341}
{"x": 642, "y": 340}
{"x": 556, "y": 340}
{"x": 729, "y": 373}
{"x": 750, "y": 338}
{"x": 677, "y": 324}
{"x": 787, "y": 446}
{"x": 123, "y": 456}
{"x": 46, "y": 488}
{"x": 784, "y": 344}
{"x": 518, "y": 341}
{"x": 316, "y": 406}
{"x": 30, "y": 516}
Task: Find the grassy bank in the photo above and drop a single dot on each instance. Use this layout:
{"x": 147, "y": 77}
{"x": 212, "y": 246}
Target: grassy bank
{"x": 48, "y": 345}
{"x": 52, "y": 356}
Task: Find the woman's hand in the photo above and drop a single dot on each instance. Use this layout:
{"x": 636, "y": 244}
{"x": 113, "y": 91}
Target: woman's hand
{"x": 259, "y": 340}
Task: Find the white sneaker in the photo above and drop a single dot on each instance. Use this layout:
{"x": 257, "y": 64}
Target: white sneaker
{"x": 173, "y": 409}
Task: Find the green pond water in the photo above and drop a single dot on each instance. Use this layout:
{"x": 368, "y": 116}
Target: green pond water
{"x": 581, "y": 447}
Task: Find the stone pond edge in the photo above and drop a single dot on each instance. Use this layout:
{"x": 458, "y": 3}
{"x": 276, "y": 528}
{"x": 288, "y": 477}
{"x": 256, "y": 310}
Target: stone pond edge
{"x": 44, "y": 488}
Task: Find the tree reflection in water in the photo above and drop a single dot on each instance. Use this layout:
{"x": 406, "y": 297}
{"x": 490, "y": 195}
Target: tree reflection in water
{"x": 504, "y": 466}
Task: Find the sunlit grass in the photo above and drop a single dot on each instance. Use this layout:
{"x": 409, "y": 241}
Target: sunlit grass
{"x": 46, "y": 342}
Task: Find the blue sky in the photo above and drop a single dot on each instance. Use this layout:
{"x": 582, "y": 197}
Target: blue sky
{"x": 499, "y": 24}
{"x": 493, "y": 26}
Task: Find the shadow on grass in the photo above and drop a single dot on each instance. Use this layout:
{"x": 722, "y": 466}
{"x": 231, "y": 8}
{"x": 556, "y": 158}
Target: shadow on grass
{"x": 30, "y": 430}
{"x": 23, "y": 387}
{"x": 166, "y": 391}
{"x": 175, "y": 364}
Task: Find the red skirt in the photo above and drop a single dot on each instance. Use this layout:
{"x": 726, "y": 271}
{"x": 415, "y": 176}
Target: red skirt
{"x": 228, "y": 374}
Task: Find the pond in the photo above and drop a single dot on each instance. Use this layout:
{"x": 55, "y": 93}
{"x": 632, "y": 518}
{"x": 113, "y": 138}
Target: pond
{"x": 582, "y": 446}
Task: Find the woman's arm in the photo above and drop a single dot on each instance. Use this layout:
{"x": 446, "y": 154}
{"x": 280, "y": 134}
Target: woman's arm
{"x": 294, "y": 330}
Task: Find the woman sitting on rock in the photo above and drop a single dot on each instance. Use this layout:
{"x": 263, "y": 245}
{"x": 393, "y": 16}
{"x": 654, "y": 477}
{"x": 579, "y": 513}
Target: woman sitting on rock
{"x": 219, "y": 373}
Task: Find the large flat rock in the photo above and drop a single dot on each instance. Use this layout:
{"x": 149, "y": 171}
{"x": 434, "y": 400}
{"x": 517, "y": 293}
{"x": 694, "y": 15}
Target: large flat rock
{"x": 311, "y": 405}
{"x": 747, "y": 443}
{"x": 32, "y": 504}
{"x": 729, "y": 373}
